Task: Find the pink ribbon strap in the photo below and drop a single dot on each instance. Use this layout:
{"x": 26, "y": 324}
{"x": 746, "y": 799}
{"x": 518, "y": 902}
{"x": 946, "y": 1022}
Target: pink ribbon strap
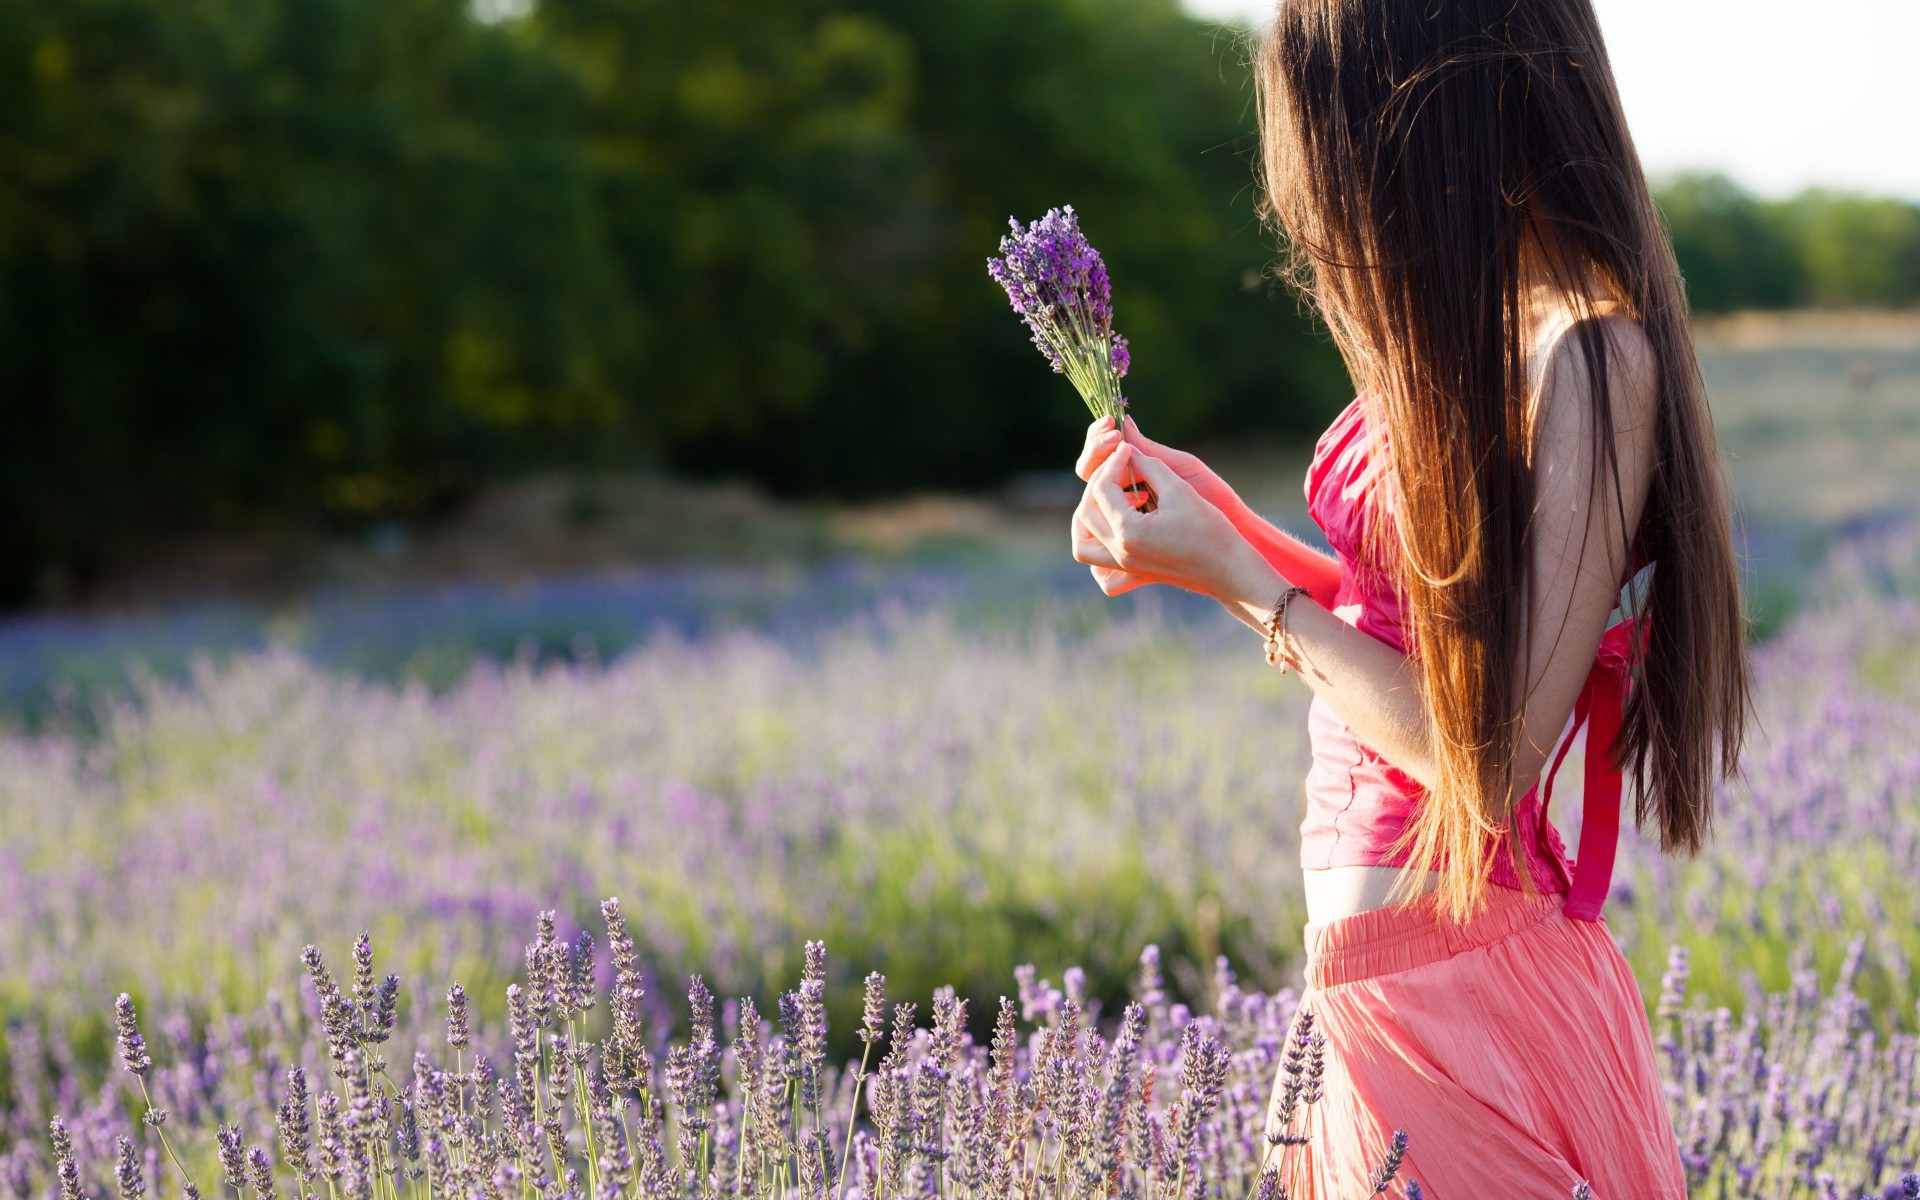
{"x": 1601, "y": 702}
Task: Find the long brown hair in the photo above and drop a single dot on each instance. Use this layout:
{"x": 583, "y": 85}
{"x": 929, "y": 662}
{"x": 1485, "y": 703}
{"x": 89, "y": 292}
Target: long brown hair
{"x": 1417, "y": 155}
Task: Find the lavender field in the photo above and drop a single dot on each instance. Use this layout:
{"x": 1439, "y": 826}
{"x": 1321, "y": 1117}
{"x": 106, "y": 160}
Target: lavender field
{"x": 941, "y": 775}
{"x": 936, "y": 801}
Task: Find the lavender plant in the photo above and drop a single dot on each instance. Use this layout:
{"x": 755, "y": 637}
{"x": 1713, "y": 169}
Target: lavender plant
{"x": 1058, "y": 284}
{"x": 175, "y": 836}
{"x": 1158, "y": 1102}
{"x": 1796, "y": 1096}
{"x": 180, "y": 832}
{"x": 1165, "y": 1102}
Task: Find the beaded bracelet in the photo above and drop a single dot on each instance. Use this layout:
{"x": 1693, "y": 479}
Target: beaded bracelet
{"x": 1277, "y": 628}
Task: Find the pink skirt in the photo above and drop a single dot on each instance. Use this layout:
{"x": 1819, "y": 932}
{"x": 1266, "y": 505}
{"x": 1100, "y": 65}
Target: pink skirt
{"x": 1513, "y": 1049}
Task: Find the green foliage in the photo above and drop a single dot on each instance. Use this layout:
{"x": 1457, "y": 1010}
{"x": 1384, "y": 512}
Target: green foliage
{"x": 260, "y": 262}
{"x": 1820, "y": 248}
{"x": 806, "y": 204}
{"x": 1858, "y": 249}
{"x": 271, "y": 264}
{"x": 318, "y": 262}
{"x": 1733, "y": 249}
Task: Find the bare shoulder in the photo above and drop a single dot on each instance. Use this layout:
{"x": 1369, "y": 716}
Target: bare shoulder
{"x": 1563, "y": 409}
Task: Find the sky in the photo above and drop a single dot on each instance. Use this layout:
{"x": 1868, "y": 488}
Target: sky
{"x": 1780, "y": 96}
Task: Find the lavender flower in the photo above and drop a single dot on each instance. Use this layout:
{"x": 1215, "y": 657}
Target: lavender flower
{"x": 331, "y": 1138}
{"x": 1057, "y": 283}
{"x": 133, "y": 1047}
{"x": 579, "y": 982}
{"x": 64, "y": 1166}
{"x": 407, "y": 1131}
{"x": 385, "y": 1010}
{"x": 807, "y": 1034}
{"x": 296, "y": 1127}
{"x": 260, "y": 1174}
{"x": 363, "y": 972}
{"x": 628, "y": 1063}
{"x": 545, "y": 972}
{"x": 693, "y": 1071}
{"x": 1673, "y": 984}
{"x": 1799, "y": 1097}
{"x": 126, "y": 1171}
{"x": 339, "y": 1016}
{"x": 1389, "y": 1167}
{"x": 233, "y": 1157}
{"x": 873, "y": 1015}
{"x": 1151, "y": 983}
{"x": 457, "y": 1035}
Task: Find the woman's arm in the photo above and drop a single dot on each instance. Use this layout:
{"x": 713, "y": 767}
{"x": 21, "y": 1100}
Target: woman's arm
{"x": 1369, "y": 683}
{"x": 1317, "y": 570}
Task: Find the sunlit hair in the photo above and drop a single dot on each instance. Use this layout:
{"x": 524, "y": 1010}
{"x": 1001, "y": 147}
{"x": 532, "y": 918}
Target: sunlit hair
{"x": 1414, "y": 155}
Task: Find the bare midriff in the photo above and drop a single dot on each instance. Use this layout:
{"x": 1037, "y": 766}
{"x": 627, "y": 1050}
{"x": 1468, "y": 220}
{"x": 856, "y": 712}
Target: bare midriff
{"x": 1335, "y": 892}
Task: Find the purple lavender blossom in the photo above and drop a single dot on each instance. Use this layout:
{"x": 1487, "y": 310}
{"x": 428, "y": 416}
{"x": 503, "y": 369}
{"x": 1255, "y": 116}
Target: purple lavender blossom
{"x": 133, "y": 1047}
{"x": 65, "y": 1168}
{"x": 296, "y": 1127}
{"x": 385, "y": 1010}
{"x": 1173, "y": 1105}
{"x": 458, "y": 1037}
{"x": 363, "y": 993}
{"x": 1058, "y": 284}
{"x": 1151, "y": 982}
{"x": 1390, "y": 1167}
{"x": 1673, "y": 983}
{"x": 332, "y": 1137}
{"x": 873, "y": 1013}
{"x": 579, "y": 982}
{"x": 126, "y": 1170}
{"x": 260, "y": 1174}
{"x": 338, "y": 1015}
{"x": 233, "y": 1155}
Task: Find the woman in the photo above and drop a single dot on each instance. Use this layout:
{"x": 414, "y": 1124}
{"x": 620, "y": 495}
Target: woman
{"x": 1465, "y": 210}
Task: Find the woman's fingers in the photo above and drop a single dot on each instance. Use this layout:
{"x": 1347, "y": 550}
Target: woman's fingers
{"x": 1115, "y": 582}
{"x": 1088, "y": 549}
{"x": 1101, "y": 439}
{"x": 1091, "y": 533}
{"x": 1104, "y": 486}
{"x": 1158, "y": 473}
{"x": 1094, "y": 517}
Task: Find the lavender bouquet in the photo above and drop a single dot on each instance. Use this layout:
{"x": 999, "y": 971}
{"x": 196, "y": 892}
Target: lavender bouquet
{"x": 1057, "y": 283}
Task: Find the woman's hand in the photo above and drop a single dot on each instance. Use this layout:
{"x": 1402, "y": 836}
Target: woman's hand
{"x": 1102, "y": 438}
{"x": 1180, "y": 538}
{"x": 1284, "y": 553}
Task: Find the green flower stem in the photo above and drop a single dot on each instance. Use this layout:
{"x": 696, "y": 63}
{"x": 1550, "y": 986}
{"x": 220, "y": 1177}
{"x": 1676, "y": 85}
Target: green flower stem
{"x": 853, "y": 1118}
{"x": 165, "y": 1143}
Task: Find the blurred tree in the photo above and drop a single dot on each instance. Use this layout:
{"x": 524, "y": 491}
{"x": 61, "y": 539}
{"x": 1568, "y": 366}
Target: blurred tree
{"x": 300, "y": 263}
{"x": 295, "y": 261}
{"x": 1857, "y": 249}
{"x": 1819, "y": 248}
{"x": 808, "y": 200}
{"x": 1734, "y": 250}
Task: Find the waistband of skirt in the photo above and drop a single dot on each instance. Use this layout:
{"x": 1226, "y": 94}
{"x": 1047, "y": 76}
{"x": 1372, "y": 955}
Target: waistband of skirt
{"x": 1382, "y": 941}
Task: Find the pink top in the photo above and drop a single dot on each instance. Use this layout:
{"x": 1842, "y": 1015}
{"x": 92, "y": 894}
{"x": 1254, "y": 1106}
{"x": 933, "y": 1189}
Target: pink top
{"x": 1357, "y": 801}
